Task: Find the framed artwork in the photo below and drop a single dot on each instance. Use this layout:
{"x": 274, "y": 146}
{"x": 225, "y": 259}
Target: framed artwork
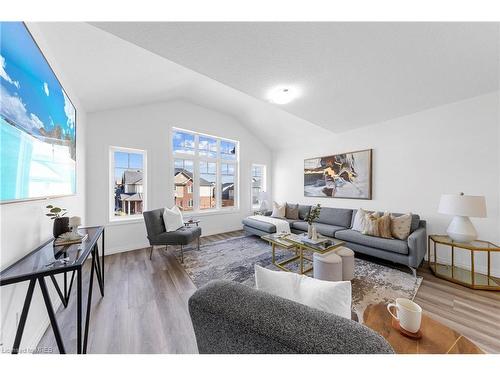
{"x": 347, "y": 175}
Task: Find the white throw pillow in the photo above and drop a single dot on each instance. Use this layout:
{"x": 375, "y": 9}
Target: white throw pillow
{"x": 279, "y": 210}
{"x": 333, "y": 297}
{"x": 173, "y": 219}
{"x": 359, "y": 220}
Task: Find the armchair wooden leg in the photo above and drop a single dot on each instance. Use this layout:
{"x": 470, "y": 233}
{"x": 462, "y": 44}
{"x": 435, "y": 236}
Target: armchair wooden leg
{"x": 182, "y": 255}
{"x": 151, "y": 252}
{"x": 198, "y": 243}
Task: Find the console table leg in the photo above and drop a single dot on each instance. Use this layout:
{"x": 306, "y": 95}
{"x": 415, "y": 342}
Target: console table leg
{"x": 79, "y": 311}
{"x": 52, "y": 316}
{"x": 24, "y": 315}
{"x": 89, "y": 305}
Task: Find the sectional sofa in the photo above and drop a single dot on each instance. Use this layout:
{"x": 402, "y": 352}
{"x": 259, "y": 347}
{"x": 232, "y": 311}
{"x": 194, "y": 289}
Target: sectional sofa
{"x": 337, "y": 223}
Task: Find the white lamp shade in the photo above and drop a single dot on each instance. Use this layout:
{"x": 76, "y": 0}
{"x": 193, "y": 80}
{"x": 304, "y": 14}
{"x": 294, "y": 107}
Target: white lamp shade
{"x": 462, "y": 205}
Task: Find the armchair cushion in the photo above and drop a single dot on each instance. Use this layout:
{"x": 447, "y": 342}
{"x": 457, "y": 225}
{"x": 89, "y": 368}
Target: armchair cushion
{"x": 181, "y": 236}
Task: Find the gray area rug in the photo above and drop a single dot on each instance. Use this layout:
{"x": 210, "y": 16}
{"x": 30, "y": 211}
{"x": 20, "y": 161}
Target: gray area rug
{"x": 234, "y": 259}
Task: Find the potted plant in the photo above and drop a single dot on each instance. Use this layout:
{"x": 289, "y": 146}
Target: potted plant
{"x": 313, "y": 215}
{"x": 61, "y": 222}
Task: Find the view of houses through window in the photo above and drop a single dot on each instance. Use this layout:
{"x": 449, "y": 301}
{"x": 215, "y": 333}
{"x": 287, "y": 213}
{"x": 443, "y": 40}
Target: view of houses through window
{"x": 205, "y": 171}
{"x": 258, "y": 182}
{"x": 128, "y": 182}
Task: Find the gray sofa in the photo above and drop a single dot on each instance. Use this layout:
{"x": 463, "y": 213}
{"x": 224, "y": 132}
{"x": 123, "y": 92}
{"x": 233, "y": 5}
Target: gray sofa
{"x": 337, "y": 223}
{"x": 231, "y": 318}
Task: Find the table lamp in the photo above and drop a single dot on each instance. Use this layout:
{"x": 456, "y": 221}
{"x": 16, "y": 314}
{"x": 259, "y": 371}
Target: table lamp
{"x": 263, "y": 197}
{"x": 461, "y": 207}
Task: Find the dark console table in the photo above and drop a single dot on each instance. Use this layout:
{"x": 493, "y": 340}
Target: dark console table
{"x": 48, "y": 261}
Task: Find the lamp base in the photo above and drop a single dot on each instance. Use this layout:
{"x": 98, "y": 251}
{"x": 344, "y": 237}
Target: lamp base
{"x": 461, "y": 230}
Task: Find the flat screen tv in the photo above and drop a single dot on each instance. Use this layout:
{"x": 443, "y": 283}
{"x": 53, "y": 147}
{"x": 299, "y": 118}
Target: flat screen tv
{"x": 37, "y": 122}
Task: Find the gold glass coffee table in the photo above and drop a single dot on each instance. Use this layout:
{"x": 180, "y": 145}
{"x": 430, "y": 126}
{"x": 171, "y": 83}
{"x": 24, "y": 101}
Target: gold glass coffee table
{"x": 460, "y": 275}
{"x": 296, "y": 243}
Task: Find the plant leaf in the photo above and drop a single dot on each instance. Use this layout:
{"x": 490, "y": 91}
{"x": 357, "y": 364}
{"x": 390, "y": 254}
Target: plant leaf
{"x": 49, "y": 206}
{"x": 55, "y": 210}
{"x": 50, "y": 214}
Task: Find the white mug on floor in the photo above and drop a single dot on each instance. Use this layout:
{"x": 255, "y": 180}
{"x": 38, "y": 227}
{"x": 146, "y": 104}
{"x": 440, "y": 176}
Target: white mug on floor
{"x": 408, "y": 313}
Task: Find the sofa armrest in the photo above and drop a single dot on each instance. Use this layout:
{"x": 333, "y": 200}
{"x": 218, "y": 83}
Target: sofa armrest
{"x": 417, "y": 244}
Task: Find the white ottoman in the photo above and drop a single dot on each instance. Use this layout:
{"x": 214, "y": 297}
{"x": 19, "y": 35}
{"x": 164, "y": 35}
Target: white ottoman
{"x": 347, "y": 256}
{"x": 327, "y": 266}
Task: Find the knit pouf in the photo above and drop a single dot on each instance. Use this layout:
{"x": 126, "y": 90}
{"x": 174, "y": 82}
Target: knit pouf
{"x": 327, "y": 266}
{"x": 347, "y": 256}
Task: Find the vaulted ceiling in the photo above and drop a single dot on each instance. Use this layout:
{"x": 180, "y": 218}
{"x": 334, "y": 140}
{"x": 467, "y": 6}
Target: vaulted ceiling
{"x": 349, "y": 74}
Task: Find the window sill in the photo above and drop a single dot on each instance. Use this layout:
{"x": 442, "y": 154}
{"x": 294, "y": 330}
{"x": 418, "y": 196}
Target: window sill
{"x": 126, "y": 220}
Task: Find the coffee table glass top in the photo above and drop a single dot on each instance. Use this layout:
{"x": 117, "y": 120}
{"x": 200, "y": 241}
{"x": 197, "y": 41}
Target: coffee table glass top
{"x": 278, "y": 239}
{"x": 300, "y": 239}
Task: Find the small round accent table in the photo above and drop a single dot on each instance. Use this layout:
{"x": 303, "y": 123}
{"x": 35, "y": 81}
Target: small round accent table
{"x": 436, "y": 337}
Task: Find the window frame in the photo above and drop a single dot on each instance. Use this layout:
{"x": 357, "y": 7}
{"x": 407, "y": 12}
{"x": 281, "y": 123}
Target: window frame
{"x": 112, "y": 218}
{"x": 264, "y": 182}
{"x": 197, "y": 158}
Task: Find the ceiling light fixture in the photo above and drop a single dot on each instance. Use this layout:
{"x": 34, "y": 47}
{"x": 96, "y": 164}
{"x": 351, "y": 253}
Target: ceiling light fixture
{"x": 283, "y": 94}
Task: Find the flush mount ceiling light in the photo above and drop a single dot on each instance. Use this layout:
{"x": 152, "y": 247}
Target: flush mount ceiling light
{"x": 283, "y": 94}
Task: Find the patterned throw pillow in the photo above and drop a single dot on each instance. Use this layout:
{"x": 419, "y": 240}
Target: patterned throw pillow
{"x": 384, "y": 226}
{"x": 292, "y": 211}
{"x": 370, "y": 225}
{"x": 400, "y": 226}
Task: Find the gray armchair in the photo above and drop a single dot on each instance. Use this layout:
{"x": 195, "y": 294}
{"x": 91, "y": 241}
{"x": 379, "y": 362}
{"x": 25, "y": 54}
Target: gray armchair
{"x": 158, "y": 236}
{"x": 229, "y": 317}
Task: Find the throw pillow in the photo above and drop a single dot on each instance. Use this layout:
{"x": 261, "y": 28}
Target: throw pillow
{"x": 292, "y": 211}
{"x": 279, "y": 210}
{"x": 384, "y": 226}
{"x": 173, "y": 219}
{"x": 359, "y": 219}
{"x": 400, "y": 226}
{"x": 370, "y": 225}
{"x": 333, "y": 297}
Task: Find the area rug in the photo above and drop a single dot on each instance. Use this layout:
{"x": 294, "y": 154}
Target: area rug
{"x": 234, "y": 259}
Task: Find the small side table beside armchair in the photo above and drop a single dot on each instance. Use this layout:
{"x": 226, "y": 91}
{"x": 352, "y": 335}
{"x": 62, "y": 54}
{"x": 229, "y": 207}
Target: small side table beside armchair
{"x": 158, "y": 236}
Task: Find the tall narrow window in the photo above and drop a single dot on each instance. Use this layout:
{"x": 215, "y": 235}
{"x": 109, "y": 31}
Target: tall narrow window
{"x": 227, "y": 184}
{"x": 128, "y": 182}
{"x": 183, "y": 184}
{"x": 208, "y": 166}
{"x": 208, "y": 181}
{"x": 258, "y": 183}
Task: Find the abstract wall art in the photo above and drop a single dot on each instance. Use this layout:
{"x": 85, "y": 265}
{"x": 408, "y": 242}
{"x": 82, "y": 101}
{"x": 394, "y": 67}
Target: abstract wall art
{"x": 347, "y": 175}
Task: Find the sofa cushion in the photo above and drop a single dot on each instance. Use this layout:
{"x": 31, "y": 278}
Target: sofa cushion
{"x": 304, "y": 211}
{"x": 324, "y": 229}
{"x": 395, "y": 246}
{"x": 335, "y": 216}
{"x": 260, "y": 225}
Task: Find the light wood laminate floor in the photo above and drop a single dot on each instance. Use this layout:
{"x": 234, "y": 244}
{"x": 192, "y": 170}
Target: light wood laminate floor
{"x": 145, "y": 307}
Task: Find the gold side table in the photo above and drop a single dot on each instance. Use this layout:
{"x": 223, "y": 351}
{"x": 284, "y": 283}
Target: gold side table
{"x": 460, "y": 275}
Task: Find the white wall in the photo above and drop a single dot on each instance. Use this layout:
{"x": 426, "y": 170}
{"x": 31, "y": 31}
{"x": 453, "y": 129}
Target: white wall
{"x": 25, "y": 226}
{"x": 148, "y": 128}
{"x": 416, "y": 158}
